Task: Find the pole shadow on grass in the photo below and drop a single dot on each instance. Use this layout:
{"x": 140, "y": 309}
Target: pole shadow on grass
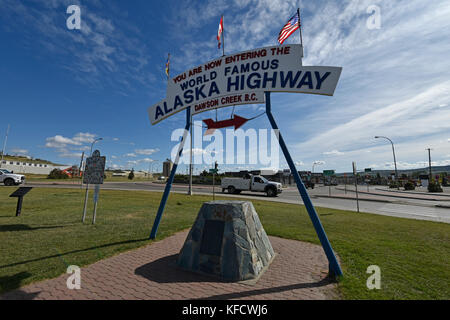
{"x": 13, "y": 282}
{"x": 23, "y": 227}
{"x": 74, "y": 251}
{"x": 165, "y": 270}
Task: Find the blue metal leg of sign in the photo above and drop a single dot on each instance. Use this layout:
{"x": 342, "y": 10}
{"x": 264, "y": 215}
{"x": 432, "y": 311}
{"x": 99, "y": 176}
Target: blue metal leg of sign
{"x": 170, "y": 180}
{"x": 333, "y": 263}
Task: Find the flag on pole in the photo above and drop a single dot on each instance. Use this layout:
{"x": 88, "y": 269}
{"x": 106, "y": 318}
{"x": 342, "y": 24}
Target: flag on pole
{"x": 219, "y": 32}
{"x": 289, "y": 28}
{"x": 168, "y": 65}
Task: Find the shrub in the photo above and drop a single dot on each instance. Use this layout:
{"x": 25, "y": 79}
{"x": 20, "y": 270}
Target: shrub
{"x": 393, "y": 184}
{"x": 445, "y": 182}
{"x": 434, "y": 187}
{"x": 410, "y": 185}
{"x": 57, "y": 174}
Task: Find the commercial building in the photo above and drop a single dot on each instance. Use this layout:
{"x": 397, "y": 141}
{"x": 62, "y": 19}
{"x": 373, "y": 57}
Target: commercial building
{"x": 30, "y": 167}
{"x": 167, "y": 167}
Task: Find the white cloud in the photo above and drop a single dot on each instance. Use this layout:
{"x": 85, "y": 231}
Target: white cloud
{"x": 70, "y": 147}
{"x": 146, "y": 152}
{"x": 333, "y": 153}
{"x": 84, "y": 137}
{"x": 195, "y": 151}
{"x": 68, "y": 154}
{"x": 131, "y": 155}
{"x": 59, "y": 141}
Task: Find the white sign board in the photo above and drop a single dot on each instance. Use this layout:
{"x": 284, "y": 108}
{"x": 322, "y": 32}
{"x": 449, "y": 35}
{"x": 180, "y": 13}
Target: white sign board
{"x": 276, "y": 69}
{"x": 229, "y": 100}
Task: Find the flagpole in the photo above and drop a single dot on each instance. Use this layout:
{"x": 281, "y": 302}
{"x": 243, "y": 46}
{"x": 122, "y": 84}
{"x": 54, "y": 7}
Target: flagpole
{"x": 300, "y": 29}
{"x": 223, "y": 38}
{"x": 168, "y": 67}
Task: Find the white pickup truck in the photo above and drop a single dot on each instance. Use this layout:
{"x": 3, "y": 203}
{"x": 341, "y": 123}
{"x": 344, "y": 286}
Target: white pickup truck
{"x": 251, "y": 183}
{"x": 10, "y": 179}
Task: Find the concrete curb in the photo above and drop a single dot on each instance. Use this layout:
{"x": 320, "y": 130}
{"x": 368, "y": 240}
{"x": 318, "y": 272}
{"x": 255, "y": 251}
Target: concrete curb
{"x": 442, "y": 206}
{"x": 347, "y": 198}
{"x": 417, "y": 192}
{"x": 394, "y": 195}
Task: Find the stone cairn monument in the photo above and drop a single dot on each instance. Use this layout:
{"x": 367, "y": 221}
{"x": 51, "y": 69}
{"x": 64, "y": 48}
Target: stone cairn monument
{"x": 227, "y": 240}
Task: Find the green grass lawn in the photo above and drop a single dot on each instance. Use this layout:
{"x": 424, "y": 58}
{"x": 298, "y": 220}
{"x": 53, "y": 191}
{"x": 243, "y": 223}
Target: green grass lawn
{"x": 40, "y": 244}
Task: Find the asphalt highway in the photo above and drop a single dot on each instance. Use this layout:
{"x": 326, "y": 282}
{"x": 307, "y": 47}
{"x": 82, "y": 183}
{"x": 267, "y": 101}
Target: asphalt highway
{"x": 421, "y": 207}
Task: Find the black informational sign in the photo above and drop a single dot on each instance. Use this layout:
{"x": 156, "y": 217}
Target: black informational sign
{"x": 94, "y": 169}
{"x": 212, "y": 237}
{"x": 20, "y": 193}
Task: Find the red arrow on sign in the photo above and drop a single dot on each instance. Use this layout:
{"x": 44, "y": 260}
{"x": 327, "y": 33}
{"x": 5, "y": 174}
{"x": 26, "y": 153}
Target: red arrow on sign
{"x": 235, "y": 122}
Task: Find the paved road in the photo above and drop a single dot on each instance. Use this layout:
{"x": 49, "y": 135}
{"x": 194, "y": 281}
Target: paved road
{"x": 383, "y": 204}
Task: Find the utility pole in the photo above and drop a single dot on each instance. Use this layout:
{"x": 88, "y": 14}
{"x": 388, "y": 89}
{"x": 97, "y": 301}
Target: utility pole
{"x": 355, "y": 174}
{"x": 4, "y": 146}
{"x": 429, "y": 163}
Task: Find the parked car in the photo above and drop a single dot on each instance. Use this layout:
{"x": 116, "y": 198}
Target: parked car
{"x": 251, "y": 183}
{"x": 331, "y": 182}
{"x": 10, "y": 179}
{"x": 308, "y": 184}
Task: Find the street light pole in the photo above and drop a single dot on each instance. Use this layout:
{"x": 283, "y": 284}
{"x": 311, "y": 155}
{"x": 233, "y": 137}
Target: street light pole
{"x": 98, "y": 139}
{"x": 429, "y": 163}
{"x": 395, "y": 161}
{"x": 314, "y": 163}
{"x": 4, "y": 146}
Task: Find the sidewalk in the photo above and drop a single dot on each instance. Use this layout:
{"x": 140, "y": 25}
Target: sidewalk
{"x": 399, "y": 194}
{"x": 299, "y": 271}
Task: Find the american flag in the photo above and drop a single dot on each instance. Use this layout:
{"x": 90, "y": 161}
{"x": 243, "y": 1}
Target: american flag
{"x": 289, "y": 28}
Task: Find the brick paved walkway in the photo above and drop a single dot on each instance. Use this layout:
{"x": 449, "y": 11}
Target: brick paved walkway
{"x": 298, "y": 272}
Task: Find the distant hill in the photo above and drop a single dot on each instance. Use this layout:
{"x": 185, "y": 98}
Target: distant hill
{"x": 8, "y": 157}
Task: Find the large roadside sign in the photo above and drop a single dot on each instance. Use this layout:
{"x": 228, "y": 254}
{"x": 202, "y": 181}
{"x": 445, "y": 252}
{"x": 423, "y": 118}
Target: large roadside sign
{"x": 94, "y": 169}
{"x": 328, "y": 172}
{"x": 242, "y": 78}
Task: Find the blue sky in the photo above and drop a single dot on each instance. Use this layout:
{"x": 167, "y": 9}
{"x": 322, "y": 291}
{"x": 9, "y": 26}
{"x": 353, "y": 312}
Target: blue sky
{"x": 60, "y": 88}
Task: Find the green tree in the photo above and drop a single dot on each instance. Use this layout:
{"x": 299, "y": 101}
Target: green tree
{"x": 131, "y": 174}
